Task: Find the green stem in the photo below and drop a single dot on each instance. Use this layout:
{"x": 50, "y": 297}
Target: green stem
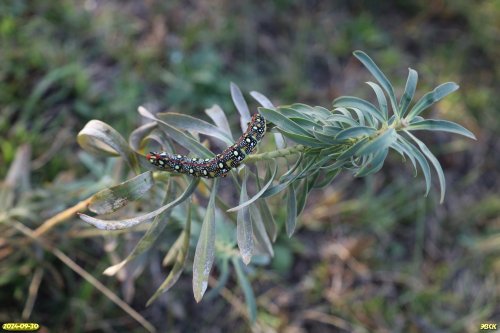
{"x": 274, "y": 154}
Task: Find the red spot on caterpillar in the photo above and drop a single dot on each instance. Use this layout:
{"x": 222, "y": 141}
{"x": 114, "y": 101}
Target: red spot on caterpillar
{"x": 148, "y": 156}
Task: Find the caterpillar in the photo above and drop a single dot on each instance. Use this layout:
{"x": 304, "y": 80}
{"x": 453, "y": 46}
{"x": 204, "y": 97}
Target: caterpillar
{"x": 222, "y": 163}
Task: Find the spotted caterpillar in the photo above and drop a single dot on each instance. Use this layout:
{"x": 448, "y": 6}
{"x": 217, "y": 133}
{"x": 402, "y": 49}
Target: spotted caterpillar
{"x": 221, "y": 164}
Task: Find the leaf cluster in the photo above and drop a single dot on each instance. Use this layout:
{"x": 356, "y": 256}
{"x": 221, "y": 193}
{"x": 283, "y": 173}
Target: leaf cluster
{"x": 354, "y": 135}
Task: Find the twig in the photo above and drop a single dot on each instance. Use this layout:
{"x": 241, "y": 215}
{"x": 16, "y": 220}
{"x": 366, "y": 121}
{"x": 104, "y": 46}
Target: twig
{"x": 32, "y": 293}
{"x": 61, "y": 217}
{"x": 274, "y": 154}
{"x": 87, "y": 276}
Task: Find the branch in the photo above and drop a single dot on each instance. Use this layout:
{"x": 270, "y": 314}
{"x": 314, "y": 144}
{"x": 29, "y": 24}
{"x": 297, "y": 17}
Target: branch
{"x": 274, "y": 154}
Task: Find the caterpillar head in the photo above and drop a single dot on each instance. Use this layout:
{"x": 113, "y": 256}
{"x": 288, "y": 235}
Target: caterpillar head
{"x": 164, "y": 160}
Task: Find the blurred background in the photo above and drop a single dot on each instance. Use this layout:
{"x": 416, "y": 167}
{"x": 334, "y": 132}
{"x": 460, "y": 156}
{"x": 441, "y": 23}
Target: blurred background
{"x": 370, "y": 255}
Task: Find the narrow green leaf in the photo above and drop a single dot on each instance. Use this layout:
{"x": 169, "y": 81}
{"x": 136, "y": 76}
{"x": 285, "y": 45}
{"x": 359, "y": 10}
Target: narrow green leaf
{"x": 422, "y": 161}
{"x": 380, "y": 143}
{"x": 416, "y": 119}
{"x": 180, "y": 137}
{"x": 304, "y": 189}
{"x": 289, "y": 178}
{"x": 351, "y": 151}
{"x": 290, "y": 112}
{"x": 160, "y": 138}
{"x": 263, "y": 100}
{"x": 148, "y": 239}
{"x": 411, "y": 85}
{"x": 382, "y": 101}
{"x": 244, "y": 232}
{"x": 171, "y": 256}
{"x": 222, "y": 280}
{"x": 205, "y": 248}
{"x": 307, "y": 124}
{"x": 381, "y": 78}
{"x": 374, "y": 164}
{"x": 273, "y": 190}
{"x": 136, "y": 139}
{"x": 116, "y": 197}
{"x": 180, "y": 260}
{"x": 259, "y": 230}
{"x": 302, "y": 139}
{"x": 291, "y": 211}
{"x": 258, "y": 194}
{"x": 321, "y": 112}
{"x": 268, "y": 219}
{"x": 127, "y": 223}
{"x": 432, "y": 97}
{"x": 343, "y": 119}
{"x": 311, "y": 181}
{"x": 333, "y": 151}
{"x": 397, "y": 147}
{"x": 404, "y": 152}
{"x": 302, "y": 194}
{"x": 361, "y": 104}
{"x": 362, "y": 120}
{"x": 289, "y": 174}
{"x": 343, "y": 111}
{"x": 219, "y": 119}
{"x": 241, "y": 106}
{"x": 283, "y": 122}
{"x": 327, "y": 139}
{"x": 99, "y": 138}
{"x": 301, "y": 108}
{"x": 247, "y": 290}
{"x": 331, "y": 130}
{"x": 435, "y": 163}
{"x": 354, "y": 132}
{"x": 328, "y": 178}
{"x": 440, "y": 125}
{"x": 189, "y": 123}
{"x": 316, "y": 113}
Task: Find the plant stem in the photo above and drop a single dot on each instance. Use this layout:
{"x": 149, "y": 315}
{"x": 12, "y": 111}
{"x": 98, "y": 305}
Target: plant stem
{"x": 274, "y": 154}
{"x": 61, "y": 217}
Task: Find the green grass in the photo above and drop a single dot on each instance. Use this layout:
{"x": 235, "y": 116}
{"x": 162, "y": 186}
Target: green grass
{"x": 414, "y": 266}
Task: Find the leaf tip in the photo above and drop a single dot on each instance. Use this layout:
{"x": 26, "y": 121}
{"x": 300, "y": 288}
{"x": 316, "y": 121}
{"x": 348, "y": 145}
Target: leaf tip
{"x": 246, "y": 259}
{"x": 358, "y": 53}
{"x": 112, "y": 270}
